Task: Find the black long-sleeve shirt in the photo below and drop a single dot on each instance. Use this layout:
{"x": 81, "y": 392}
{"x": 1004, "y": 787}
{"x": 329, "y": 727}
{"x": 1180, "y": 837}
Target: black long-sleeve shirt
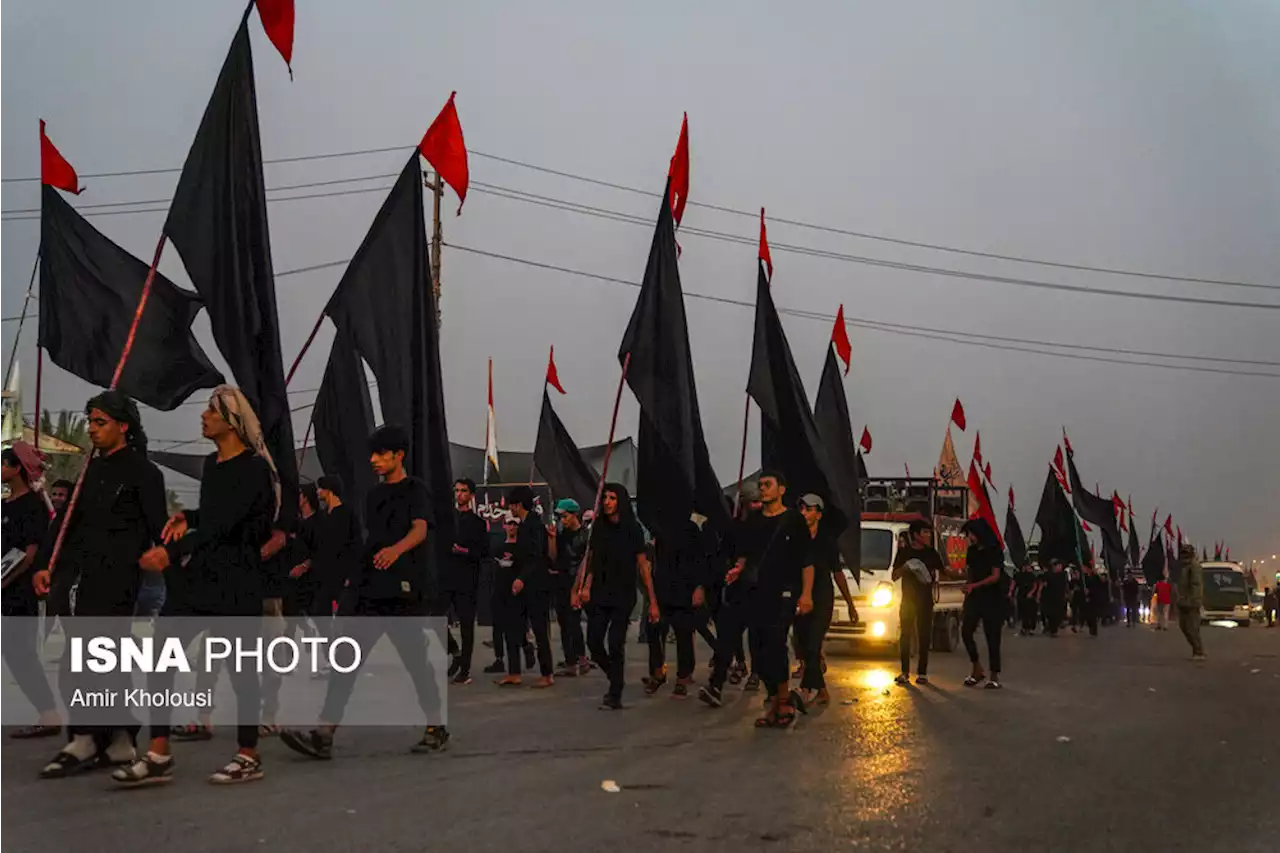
{"x": 340, "y": 545}
{"x": 462, "y": 571}
{"x": 120, "y": 514}
{"x": 531, "y": 554}
{"x": 225, "y": 535}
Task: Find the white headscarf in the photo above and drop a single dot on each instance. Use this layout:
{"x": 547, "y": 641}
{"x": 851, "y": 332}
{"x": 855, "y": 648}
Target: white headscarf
{"x": 231, "y": 403}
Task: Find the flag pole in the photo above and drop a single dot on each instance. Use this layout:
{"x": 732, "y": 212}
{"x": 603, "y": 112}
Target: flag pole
{"x": 305, "y": 346}
{"x": 39, "y": 388}
{"x": 742, "y": 456}
{"x": 115, "y": 381}
{"x": 437, "y": 240}
{"x": 604, "y": 472}
{"x": 533, "y": 456}
{"x": 13, "y": 352}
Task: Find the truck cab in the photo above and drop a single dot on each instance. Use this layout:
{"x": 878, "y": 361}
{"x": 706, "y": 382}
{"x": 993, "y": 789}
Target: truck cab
{"x": 890, "y": 505}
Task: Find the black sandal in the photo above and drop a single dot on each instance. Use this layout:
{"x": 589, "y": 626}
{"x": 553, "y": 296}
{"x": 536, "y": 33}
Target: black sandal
{"x": 191, "y": 732}
{"x": 65, "y": 764}
{"x": 39, "y": 730}
{"x": 797, "y": 702}
{"x": 974, "y": 680}
{"x": 780, "y": 720}
{"x": 653, "y": 685}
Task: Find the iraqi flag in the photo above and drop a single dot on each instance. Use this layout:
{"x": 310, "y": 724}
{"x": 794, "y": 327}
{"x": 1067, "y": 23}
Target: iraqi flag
{"x": 491, "y": 433}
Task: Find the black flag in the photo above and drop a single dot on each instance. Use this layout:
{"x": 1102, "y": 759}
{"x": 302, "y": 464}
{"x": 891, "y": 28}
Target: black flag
{"x": 1153, "y": 567}
{"x": 218, "y": 224}
{"x": 386, "y": 303}
{"x": 1100, "y": 512}
{"x": 674, "y": 476}
{"x": 831, "y": 416}
{"x": 558, "y": 460}
{"x": 790, "y": 442}
{"x": 862, "y": 469}
{"x": 1134, "y": 551}
{"x": 1014, "y": 540}
{"x": 1057, "y": 523}
{"x": 343, "y": 421}
{"x": 89, "y": 291}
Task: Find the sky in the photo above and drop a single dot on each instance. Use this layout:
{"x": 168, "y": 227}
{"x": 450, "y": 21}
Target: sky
{"x": 1141, "y": 136}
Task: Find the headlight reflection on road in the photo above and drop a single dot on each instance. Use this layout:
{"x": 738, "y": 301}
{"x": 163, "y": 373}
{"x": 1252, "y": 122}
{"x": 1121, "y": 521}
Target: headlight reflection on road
{"x": 1223, "y": 624}
{"x": 878, "y": 679}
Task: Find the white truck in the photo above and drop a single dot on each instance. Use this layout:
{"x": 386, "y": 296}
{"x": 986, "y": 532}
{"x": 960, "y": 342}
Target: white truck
{"x": 890, "y": 505}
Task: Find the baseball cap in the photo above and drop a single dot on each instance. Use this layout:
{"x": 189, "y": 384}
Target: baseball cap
{"x": 812, "y": 501}
{"x": 567, "y": 505}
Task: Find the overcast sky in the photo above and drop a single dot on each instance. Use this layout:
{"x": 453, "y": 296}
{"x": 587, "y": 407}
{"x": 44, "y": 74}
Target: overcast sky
{"x": 1140, "y": 135}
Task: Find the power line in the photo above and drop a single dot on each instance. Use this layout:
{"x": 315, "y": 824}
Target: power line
{"x": 807, "y": 251}
{"x": 864, "y": 235}
{"x": 935, "y": 334}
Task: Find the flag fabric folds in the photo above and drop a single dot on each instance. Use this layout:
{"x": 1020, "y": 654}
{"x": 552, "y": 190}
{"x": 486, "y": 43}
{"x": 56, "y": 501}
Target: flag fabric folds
{"x": 491, "y": 433}
{"x": 1057, "y": 522}
{"x": 831, "y": 417}
{"x": 865, "y": 441}
{"x": 277, "y": 21}
{"x": 678, "y": 175}
{"x": 343, "y": 421}
{"x": 558, "y": 460}
{"x": 55, "y": 171}
{"x": 386, "y": 304}
{"x": 949, "y": 471}
{"x": 840, "y": 340}
{"x": 444, "y": 148}
{"x": 89, "y": 292}
{"x": 1014, "y": 539}
{"x": 673, "y": 468}
{"x": 1098, "y": 510}
{"x": 1135, "y": 558}
{"x": 1153, "y": 562}
{"x": 553, "y": 375}
{"x": 957, "y": 415}
{"x": 218, "y": 223}
{"x": 983, "y": 510}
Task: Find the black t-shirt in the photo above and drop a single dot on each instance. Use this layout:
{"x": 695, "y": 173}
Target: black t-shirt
{"x": 615, "y": 549}
{"x": 390, "y": 511}
{"x": 825, "y": 553}
{"x": 982, "y": 563}
{"x": 26, "y": 519}
{"x": 570, "y": 546}
{"x": 506, "y": 569}
{"x": 1025, "y": 581}
{"x": 340, "y": 545}
{"x": 1055, "y": 586}
{"x": 777, "y": 550}
{"x": 532, "y": 561}
{"x": 914, "y": 588}
{"x": 462, "y": 571}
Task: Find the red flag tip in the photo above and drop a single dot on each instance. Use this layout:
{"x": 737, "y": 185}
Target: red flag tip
{"x": 840, "y": 338}
{"x": 445, "y": 149}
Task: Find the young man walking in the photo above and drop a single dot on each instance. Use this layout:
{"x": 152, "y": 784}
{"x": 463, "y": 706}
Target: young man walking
{"x": 460, "y": 578}
{"x": 919, "y": 566}
{"x": 527, "y": 603}
{"x": 567, "y": 545}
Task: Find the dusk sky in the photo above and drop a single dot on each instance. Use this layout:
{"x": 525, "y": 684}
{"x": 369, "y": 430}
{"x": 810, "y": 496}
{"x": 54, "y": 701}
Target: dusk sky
{"x": 1142, "y": 136}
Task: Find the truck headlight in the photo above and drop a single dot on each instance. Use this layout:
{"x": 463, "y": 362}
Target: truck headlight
{"x": 883, "y": 596}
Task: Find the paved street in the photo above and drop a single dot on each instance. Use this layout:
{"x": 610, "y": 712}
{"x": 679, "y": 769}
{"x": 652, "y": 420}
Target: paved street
{"x": 1163, "y": 755}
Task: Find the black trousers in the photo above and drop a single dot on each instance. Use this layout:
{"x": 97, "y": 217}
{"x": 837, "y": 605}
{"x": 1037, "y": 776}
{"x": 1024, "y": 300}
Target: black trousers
{"x": 1054, "y": 611}
{"x": 915, "y": 620}
{"x": 731, "y": 621}
{"x": 810, "y": 633}
{"x": 244, "y": 681}
{"x": 1131, "y": 612}
{"x": 530, "y": 608}
{"x": 406, "y": 634}
{"x": 683, "y": 621}
{"x": 572, "y": 642}
{"x": 1027, "y": 611}
{"x": 463, "y": 605}
{"x": 770, "y": 658}
{"x": 607, "y": 638}
{"x": 991, "y": 614}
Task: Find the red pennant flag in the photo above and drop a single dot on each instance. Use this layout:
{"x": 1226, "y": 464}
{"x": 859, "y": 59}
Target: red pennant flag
{"x": 1228, "y": 556}
{"x": 1179, "y": 535}
{"x": 984, "y": 503}
{"x": 764, "y": 247}
{"x": 1011, "y": 505}
{"x": 1084, "y": 525}
{"x": 840, "y": 338}
{"x": 987, "y": 472}
{"x": 1168, "y": 526}
{"x": 54, "y": 168}
{"x": 679, "y": 175}
{"x": 977, "y": 446}
{"x": 1059, "y": 463}
{"x": 1067, "y": 441}
{"x": 553, "y": 376}
{"x": 443, "y": 147}
{"x": 957, "y": 414}
{"x": 865, "y": 442}
{"x": 277, "y": 21}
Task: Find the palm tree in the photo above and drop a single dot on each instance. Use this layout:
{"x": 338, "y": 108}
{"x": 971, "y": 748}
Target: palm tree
{"x": 72, "y": 428}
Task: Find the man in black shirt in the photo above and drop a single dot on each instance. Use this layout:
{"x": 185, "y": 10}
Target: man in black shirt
{"x": 567, "y": 546}
{"x": 337, "y": 563}
{"x": 396, "y": 515}
{"x": 529, "y": 581}
{"x": 1053, "y": 597}
{"x": 775, "y": 565}
{"x": 984, "y": 600}
{"x": 1028, "y": 590}
{"x": 811, "y": 629}
{"x": 607, "y": 585}
{"x": 119, "y": 514}
{"x": 460, "y": 580}
{"x": 1130, "y": 588}
{"x": 919, "y": 566}
{"x": 682, "y": 555}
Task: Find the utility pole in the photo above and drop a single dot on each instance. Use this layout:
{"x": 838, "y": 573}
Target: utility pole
{"x": 437, "y": 238}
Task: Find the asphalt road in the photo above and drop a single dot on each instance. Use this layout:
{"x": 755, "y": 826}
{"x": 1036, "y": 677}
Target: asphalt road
{"x": 1164, "y": 755}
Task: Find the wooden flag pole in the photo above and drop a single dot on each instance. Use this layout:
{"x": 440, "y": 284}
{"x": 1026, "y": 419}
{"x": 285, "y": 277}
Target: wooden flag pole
{"x": 13, "y": 352}
{"x": 115, "y": 381}
{"x": 437, "y": 241}
{"x": 742, "y": 457}
{"x": 39, "y": 388}
{"x": 305, "y": 346}
{"x": 604, "y": 473}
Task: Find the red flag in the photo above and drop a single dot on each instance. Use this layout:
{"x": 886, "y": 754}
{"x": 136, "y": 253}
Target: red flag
{"x": 1011, "y": 505}
{"x": 764, "y": 248}
{"x": 1067, "y": 441}
{"x": 984, "y": 504}
{"x": 977, "y": 446}
{"x": 54, "y": 168}
{"x": 1058, "y": 463}
{"x": 1168, "y": 526}
{"x": 445, "y": 149}
{"x": 679, "y": 176}
{"x": 840, "y": 337}
{"x": 957, "y": 414}
{"x": 1228, "y": 556}
{"x": 553, "y": 377}
{"x": 1179, "y": 535}
{"x": 1084, "y": 525}
{"x": 865, "y": 442}
{"x": 1062, "y": 479}
{"x": 277, "y": 21}
{"x": 987, "y": 472}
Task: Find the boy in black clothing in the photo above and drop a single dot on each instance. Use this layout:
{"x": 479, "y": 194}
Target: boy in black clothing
{"x": 567, "y": 547}
{"x": 396, "y": 552}
{"x": 528, "y": 581}
{"x": 460, "y": 579}
{"x": 919, "y": 566}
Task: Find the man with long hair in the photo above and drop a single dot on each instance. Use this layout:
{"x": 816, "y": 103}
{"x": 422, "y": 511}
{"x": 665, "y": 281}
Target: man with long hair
{"x": 119, "y": 515}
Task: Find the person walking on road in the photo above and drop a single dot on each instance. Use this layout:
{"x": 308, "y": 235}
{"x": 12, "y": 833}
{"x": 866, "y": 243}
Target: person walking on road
{"x": 460, "y": 580}
{"x": 1163, "y": 597}
{"x": 1269, "y": 606}
{"x": 527, "y": 603}
{"x": 1130, "y": 600}
{"x": 811, "y": 628}
{"x": 918, "y": 565}
{"x": 1190, "y": 598}
{"x": 984, "y": 600}
{"x": 567, "y": 544}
